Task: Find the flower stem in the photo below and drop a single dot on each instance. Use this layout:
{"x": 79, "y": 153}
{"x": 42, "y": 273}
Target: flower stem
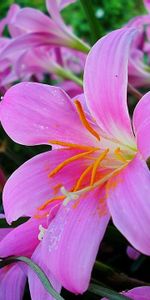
{"x": 81, "y": 46}
{"x": 66, "y": 74}
{"x": 116, "y": 280}
{"x": 134, "y": 92}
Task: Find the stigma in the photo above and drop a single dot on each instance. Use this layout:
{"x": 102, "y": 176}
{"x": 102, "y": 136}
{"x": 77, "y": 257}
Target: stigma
{"x": 42, "y": 232}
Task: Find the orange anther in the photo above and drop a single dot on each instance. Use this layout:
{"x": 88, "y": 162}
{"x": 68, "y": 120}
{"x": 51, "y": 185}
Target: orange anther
{"x": 44, "y": 205}
{"x": 69, "y": 160}
{"x": 84, "y": 120}
{"x": 70, "y": 145}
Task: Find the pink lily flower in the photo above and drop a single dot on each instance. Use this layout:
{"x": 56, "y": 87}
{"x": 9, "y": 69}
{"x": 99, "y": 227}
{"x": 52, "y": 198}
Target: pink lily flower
{"x": 6, "y": 73}
{"x": 139, "y": 71}
{"x": 32, "y": 28}
{"x": 13, "y": 276}
{"x": 139, "y": 74}
{"x": 14, "y": 8}
{"x": 55, "y": 6}
{"x": 138, "y": 293}
{"x": 7, "y": 63}
{"x": 23, "y": 240}
{"x": 21, "y": 63}
{"x": 36, "y": 62}
{"x": 47, "y": 60}
{"x": 97, "y": 167}
{"x": 147, "y": 5}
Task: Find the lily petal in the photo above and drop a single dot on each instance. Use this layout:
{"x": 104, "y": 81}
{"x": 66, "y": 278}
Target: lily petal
{"x": 30, "y": 186}
{"x": 4, "y": 232}
{"x": 141, "y": 123}
{"x": 37, "y": 290}
{"x": 105, "y": 83}
{"x": 72, "y": 240}
{"x": 27, "y": 41}
{"x": 14, "y": 8}
{"x": 129, "y": 204}
{"x": 139, "y": 293}
{"x": 54, "y": 7}
{"x": 12, "y": 283}
{"x": 22, "y": 240}
{"x": 33, "y": 20}
{"x": 40, "y": 113}
{"x": 138, "y": 76}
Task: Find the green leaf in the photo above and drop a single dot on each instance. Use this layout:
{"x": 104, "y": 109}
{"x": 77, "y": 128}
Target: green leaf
{"x": 93, "y": 22}
{"x": 110, "y": 294}
{"x": 41, "y": 275}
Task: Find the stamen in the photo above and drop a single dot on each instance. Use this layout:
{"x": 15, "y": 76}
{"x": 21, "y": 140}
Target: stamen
{"x": 44, "y": 205}
{"x": 70, "y": 145}
{"x": 79, "y": 182}
{"x": 71, "y": 159}
{"x": 41, "y": 216}
{"x": 96, "y": 165}
{"x": 69, "y": 196}
{"x": 101, "y": 180}
{"x": 84, "y": 120}
{"x": 119, "y": 155}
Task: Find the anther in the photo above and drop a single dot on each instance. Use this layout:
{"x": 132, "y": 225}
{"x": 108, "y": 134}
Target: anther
{"x": 84, "y": 120}
{"x": 70, "y": 145}
{"x": 69, "y": 160}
